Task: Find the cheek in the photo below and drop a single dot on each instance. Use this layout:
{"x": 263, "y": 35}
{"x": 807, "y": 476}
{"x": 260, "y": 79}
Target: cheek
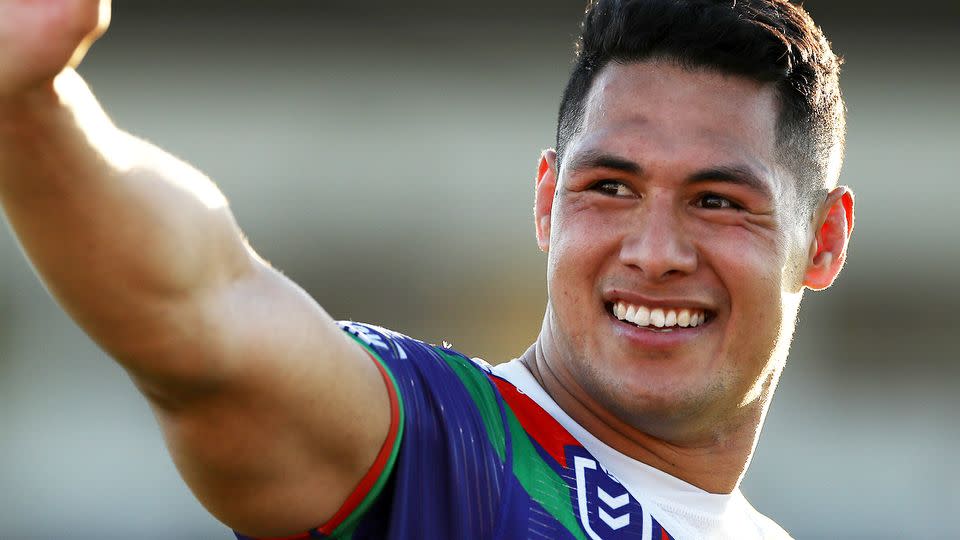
{"x": 750, "y": 263}
{"x": 581, "y": 242}
{"x": 752, "y": 271}
{"x": 580, "y": 238}
{"x": 567, "y": 267}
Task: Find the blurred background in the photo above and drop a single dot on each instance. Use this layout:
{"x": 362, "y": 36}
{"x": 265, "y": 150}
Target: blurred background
{"x": 383, "y": 155}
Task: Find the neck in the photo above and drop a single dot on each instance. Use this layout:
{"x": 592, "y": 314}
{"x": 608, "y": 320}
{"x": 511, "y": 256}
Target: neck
{"x": 714, "y": 463}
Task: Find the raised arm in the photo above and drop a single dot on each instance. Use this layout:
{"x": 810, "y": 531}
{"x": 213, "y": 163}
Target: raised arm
{"x": 271, "y": 413}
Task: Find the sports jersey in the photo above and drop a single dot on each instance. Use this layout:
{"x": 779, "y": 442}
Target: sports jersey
{"x": 475, "y": 452}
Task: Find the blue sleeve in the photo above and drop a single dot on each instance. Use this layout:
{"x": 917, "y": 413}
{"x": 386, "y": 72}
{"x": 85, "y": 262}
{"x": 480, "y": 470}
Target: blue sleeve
{"x": 448, "y": 479}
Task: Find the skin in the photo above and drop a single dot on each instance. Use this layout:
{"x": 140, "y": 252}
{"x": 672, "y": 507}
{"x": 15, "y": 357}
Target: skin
{"x": 671, "y": 195}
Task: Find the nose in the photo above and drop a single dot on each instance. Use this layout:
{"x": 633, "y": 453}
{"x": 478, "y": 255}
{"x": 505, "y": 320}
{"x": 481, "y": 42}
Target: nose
{"x": 657, "y": 243}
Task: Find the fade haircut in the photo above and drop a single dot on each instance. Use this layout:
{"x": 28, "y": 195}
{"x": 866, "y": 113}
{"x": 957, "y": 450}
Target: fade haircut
{"x": 769, "y": 41}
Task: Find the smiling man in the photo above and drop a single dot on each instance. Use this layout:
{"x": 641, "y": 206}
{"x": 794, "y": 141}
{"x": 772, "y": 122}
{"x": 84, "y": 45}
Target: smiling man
{"x": 678, "y": 251}
{"x": 691, "y": 201}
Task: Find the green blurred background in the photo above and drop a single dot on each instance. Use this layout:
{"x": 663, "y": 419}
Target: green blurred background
{"x": 383, "y": 155}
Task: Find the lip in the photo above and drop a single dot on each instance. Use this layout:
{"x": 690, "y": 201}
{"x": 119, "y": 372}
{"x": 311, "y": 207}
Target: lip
{"x": 647, "y": 338}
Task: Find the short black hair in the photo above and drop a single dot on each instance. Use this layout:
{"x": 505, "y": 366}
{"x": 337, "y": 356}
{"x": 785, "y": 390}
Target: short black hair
{"x": 770, "y": 41}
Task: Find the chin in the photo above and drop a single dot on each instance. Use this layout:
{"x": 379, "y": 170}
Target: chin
{"x": 661, "y": 405}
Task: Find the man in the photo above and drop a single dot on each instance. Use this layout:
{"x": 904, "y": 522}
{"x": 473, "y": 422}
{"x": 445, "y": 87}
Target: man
{"x": 690, "y": 201}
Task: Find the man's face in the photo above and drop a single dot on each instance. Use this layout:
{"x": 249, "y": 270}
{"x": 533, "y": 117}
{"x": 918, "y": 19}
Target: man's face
{"x": 672, "y": 212}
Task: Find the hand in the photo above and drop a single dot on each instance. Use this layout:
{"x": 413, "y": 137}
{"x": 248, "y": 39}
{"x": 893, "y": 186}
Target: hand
{"x": 40, "y": 38}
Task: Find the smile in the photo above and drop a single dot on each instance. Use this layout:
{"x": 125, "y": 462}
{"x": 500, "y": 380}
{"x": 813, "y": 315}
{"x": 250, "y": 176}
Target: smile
{"x": 658, "y": 318}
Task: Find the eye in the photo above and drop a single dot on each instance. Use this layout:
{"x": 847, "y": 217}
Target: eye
{"x": 713, "y": 201}
{"x": 612, "y": 188}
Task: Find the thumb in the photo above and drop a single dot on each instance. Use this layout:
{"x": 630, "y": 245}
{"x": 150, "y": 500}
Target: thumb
{"x": 103, "y": 21}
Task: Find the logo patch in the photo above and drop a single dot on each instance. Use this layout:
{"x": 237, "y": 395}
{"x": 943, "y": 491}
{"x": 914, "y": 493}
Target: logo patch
{"x": 605, "y": 508}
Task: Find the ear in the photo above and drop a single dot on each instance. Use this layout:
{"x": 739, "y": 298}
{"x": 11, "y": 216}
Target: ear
{"x": 828, "y": 250}
{"x": 545, "y": 190}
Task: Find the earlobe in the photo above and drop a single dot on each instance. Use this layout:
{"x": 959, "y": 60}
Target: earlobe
{"x": 546, "y": 187}
{"x": 829, "y": 247}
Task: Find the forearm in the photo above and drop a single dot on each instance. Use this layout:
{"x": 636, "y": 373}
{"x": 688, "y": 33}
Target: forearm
{"x": 122, "y": 233}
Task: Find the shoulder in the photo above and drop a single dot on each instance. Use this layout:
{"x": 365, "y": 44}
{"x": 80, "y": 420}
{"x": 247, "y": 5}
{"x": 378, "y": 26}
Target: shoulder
{"x": 428, "y": 376}
{"x": 770, "y": 529}
{"x": 403, "y": 352}
{"x": 767, "y": 528}
{"x": 453, "y": 437}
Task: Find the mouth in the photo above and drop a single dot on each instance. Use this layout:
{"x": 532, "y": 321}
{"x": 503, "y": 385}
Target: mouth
{"x": 659, "y": 319}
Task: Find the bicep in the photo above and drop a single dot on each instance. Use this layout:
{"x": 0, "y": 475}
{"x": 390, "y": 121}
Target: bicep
{"x": 288, "y": 416}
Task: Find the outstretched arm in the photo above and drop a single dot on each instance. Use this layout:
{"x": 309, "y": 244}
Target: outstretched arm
{"x": 272, "y": 415}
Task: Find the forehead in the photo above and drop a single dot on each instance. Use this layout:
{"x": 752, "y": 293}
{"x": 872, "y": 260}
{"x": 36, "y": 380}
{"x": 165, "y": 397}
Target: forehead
{"x": 656, "y": 111}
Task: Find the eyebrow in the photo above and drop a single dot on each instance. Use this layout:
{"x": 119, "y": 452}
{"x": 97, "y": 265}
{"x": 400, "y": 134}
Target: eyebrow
{"x": 602, "y": 160}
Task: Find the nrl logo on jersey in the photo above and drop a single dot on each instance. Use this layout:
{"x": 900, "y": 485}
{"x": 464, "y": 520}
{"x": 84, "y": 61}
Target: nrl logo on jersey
{"x": 605, "y": 508}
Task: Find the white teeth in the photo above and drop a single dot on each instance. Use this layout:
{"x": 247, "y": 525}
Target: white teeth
{"x": 643, "y": 317}
{"x": 658, "y": 317}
